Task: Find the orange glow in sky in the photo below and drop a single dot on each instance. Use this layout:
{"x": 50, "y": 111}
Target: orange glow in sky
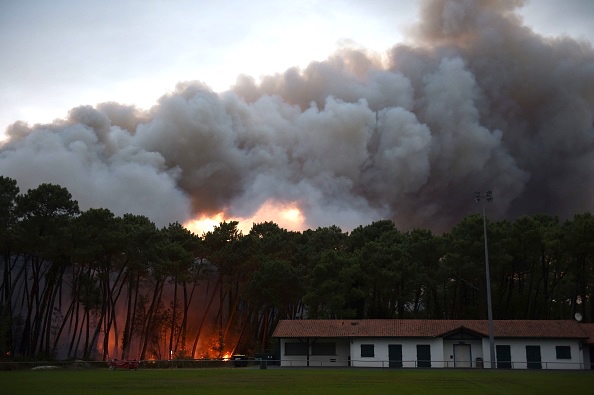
{"x": 204, "y": 224}
{"x": 286, "y": 215}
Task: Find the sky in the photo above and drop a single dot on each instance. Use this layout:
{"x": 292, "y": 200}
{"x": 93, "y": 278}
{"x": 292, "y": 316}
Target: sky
{"x": 300, "y": 111}
{"x": 59, "y": 54}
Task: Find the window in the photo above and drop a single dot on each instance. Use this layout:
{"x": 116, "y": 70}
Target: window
{"x": 367, "y": 350}
{"x": 296, "y": 348}
{"x": 563, "y": 352}
{"x": 323, "y": 348}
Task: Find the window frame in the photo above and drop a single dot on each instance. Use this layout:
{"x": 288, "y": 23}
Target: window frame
{"x": 367, "y": 349}
{"x": 563, "y": 352}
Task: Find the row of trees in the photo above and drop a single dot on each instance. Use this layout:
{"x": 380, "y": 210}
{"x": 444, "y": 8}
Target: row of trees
{"x": 88, "y": 284}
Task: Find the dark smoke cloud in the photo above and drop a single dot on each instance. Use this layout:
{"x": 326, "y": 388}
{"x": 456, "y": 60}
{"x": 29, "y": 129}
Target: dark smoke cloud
{"x": 478, "y": 102}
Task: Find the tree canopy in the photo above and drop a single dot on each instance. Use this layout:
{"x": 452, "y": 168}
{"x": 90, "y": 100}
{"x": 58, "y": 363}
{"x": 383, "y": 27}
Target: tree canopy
{"x": 91, "y": 284}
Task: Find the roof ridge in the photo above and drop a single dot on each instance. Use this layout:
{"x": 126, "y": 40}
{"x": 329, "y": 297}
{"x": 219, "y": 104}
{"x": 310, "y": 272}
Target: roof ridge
{"x": 427, "y": 328}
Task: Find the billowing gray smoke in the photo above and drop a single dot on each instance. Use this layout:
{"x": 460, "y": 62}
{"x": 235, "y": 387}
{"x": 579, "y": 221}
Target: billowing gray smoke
{"x": 479, "y": 102}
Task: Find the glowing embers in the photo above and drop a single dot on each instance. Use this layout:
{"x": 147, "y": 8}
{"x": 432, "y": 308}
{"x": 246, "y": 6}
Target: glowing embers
{"x": 213, "y": 347}
{"x": 286, "y": 215}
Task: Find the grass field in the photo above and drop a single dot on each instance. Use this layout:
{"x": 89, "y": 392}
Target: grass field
{"x": 241, "y": 381}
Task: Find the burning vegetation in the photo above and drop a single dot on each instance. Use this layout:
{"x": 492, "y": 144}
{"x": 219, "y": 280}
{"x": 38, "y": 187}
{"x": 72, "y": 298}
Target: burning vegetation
{"x": 477, "y": 102}
{"x": 95, "y": 286}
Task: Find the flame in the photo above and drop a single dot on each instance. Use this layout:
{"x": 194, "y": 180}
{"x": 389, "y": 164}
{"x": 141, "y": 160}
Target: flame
{"x": 287, "y": 215}
{"x": 226, "y": 356}
{"x": 293, "y": 215}
{"x": 204, "y": 224}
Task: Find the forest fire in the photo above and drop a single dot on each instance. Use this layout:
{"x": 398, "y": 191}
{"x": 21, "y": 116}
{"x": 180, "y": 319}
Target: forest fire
{"x": 209, "y": 347}
{"x": 152, "y": 299}
{"x": 204, "y": 224}
{"x": 404, "y": 143}
{"x": 286, "y": 215}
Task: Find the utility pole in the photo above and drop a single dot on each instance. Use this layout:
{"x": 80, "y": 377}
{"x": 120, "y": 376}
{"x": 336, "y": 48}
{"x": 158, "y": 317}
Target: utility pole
{"x": 478, "y": 197}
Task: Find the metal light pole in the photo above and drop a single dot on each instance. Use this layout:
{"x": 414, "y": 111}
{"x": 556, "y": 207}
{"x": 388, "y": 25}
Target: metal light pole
{"x": 478, "y": 197}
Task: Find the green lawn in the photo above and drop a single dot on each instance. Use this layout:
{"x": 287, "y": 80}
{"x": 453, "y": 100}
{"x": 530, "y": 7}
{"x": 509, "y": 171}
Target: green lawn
{"x": 241, "y": 381}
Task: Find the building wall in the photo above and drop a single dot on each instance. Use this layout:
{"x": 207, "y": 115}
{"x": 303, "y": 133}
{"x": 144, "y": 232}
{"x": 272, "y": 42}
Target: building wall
{"x": 409, "y": 351}
{"x": 348, "y": 353}
{"x": 476, "y": 351}
{"x": 486, "y": 346}
{"x": 548, "y": 353}
{"x": 341, "y": 358}
{"x": 588, "y": 362}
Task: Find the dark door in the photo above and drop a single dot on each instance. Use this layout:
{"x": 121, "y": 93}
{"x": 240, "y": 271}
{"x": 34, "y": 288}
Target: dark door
{"x": 423, "y": 355}
{"x": 533, "y": 357}
{"x": 592, "y": 357}
{"x": 503, "y": 357}
{"x": 395, "y": 355}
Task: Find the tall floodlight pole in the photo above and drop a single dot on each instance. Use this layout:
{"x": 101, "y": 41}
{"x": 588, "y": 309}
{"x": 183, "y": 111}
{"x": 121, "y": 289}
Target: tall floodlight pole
{"x": 478, "y": 197}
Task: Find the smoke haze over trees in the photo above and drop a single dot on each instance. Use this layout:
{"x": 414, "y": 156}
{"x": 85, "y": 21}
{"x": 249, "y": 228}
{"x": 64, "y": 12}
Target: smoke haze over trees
{"x": 476, "y": 101}
{"x": 89, "y": 284}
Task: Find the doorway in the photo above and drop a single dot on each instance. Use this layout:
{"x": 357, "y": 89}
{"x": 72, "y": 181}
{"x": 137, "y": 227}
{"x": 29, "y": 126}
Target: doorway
{"x": 462, "y": 356}
{"x": 395, "y": 355}
{"x": 533, "y": 357}
{"x": 503, "y": 356}
{"x": 423, "y": 355}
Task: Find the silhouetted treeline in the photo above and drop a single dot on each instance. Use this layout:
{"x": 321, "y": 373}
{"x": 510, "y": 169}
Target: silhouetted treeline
{"x": 93, "y": 285}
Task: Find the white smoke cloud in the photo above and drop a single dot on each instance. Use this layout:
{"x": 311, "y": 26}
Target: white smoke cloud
{"x": 477, "y": 102}
{"x": 114, "y": 173}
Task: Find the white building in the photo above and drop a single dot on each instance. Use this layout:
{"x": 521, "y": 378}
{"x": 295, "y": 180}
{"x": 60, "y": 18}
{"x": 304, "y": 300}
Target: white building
{"x": 519, "y": 344}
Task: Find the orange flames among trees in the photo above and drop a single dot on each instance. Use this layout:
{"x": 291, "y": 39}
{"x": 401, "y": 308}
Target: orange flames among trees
{"x": 285, "y": 215}
{"x": 134, "y": 291}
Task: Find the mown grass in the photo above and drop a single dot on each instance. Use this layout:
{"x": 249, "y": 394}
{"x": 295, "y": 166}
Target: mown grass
{"x": 242, "y": 381}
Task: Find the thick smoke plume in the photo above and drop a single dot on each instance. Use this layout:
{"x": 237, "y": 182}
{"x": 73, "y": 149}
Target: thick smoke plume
{"x": 478, "y": 102}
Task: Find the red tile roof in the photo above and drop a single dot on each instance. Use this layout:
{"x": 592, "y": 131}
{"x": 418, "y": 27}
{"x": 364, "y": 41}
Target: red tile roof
{"x": 429, "y": 328}
{"x": 589, "y": 330}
